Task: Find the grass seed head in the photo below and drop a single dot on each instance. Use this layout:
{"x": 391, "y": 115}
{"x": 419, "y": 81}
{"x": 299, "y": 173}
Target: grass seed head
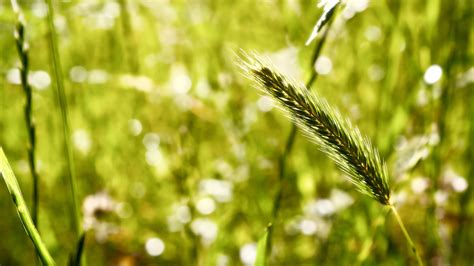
{"x": 336, "y": 137}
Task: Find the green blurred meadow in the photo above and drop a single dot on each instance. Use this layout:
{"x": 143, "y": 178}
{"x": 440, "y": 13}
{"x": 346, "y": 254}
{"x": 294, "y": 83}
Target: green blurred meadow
{"x": 178, "y": 157}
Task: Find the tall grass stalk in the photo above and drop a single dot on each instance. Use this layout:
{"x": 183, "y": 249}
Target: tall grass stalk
{"x": 22, "y": 48}
{"x": 292, "y": 135}
{"x": 12, "y": 184}
{"x": 65, "y": 119}
{"x": 335, "y": 136}
{"x": 290, "y": 140}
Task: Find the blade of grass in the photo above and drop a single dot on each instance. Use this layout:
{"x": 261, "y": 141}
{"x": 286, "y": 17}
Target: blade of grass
{"x": 12, "y": 184}
{"x": 56, "y": 63}
{"x": 262, "y": 247}
{"x": 75, "y": 258}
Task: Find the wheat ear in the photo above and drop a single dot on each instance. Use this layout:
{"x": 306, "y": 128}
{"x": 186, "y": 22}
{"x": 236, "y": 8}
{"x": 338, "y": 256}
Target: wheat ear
{"x": 336, "y": 137}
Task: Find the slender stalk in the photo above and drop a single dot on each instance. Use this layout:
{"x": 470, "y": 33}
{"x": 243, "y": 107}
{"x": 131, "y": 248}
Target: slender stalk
{"x": 22, "y": 47}
{"x": 407, "y": 236}
{"x": 292, "y": 135}
{"x": 64, "y": 117}
{"x": 290, "y": 140}
{"x": 12, "y": 184}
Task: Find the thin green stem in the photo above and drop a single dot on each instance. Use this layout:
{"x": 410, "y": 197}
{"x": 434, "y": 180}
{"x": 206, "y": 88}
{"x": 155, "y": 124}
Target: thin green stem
{"x": 64, "y": 117}
{"x": 292, "y": 135}
{"x": 22, "y": 48}
{"x": 290, "y": 140}
{"x": 407, "y": 236}
{"x": 12, "y": 184}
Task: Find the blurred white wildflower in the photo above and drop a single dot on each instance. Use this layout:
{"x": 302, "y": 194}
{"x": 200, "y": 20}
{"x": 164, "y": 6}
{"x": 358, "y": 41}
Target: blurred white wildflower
{"x": 221, "y": 190}
{"x": 39, "y": 80}
{"x": 39, "y": 9}
{"x": 98, "y": 76}
{"x": 154, "y": 246}
{"x": 139, "y": 83}
{"x": 94, "y": 207}
{"x": 353, "y": 7}
{"x": 151, "y": 140}
{"x": 78, "y": 74}
{"x": 60, "y": 23}
{"x": 222, "y": 260}
{"x": 180, "y": 216}
{"x": 13, "y": 76}
{"x": 323, "y": 65}
{"x": 399, "y": 197}
{"x": 248, "y": 253}
{"x": 320, "y": 207}
{"x": 156, "y": 158}
{"x": 203, "y": 88}
{"x": 265, "y": 103}
{"x": 441, "y": 197}
{"x": 206, "y": 205}
{"x": 419, "y": 184}
{"x": 373, "y": 33}
{"x": 308, "y": 227}
{"x": 286, "y": 61}
{"x": 340, "y": 199}
{"x": 183, "y": 213}
{"x": 135, "y": 127}
{"x": 82, "y": 141}
{"x": 180, "y": 82}
{"x": 205, "y": 228}
{"x": 433, "y": 74}
{"x": 413, "y": 150}
{"x": 455, "y": 181}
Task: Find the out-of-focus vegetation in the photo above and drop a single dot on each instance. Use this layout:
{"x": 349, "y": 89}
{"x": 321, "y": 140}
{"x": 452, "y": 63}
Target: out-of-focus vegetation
{"x": 177, "y": 155}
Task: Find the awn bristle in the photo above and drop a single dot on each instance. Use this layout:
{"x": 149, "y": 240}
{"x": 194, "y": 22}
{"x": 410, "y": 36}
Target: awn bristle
{"x": 344, "y": 144}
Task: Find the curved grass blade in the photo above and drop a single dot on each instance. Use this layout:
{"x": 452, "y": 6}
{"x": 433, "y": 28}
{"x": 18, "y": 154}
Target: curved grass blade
{"x": 262, "y": 248}
{"x": 75, "y": 258}
{"x": 12, "y": 184}
{"x": 328, "y": 12}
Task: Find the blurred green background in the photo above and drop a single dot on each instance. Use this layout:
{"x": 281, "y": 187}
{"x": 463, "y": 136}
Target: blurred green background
{"x": 177, "y": 154}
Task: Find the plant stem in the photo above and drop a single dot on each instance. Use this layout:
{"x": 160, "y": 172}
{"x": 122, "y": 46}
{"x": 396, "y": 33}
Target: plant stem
{"x": 12, "y": 184}
{"x": 64, "y": 117}
{"x": 292, "y": 135}
{"x": 290, "y": 140}
{"x": 407, "y": 236}
{"x": 22, "y": 48}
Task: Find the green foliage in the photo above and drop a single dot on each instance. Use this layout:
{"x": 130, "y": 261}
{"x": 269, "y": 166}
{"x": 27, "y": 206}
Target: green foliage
{"x": 178, "y": 160}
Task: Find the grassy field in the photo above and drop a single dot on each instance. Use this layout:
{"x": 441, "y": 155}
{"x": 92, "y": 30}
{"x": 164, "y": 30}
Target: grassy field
{"x": 131, "y": 125}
